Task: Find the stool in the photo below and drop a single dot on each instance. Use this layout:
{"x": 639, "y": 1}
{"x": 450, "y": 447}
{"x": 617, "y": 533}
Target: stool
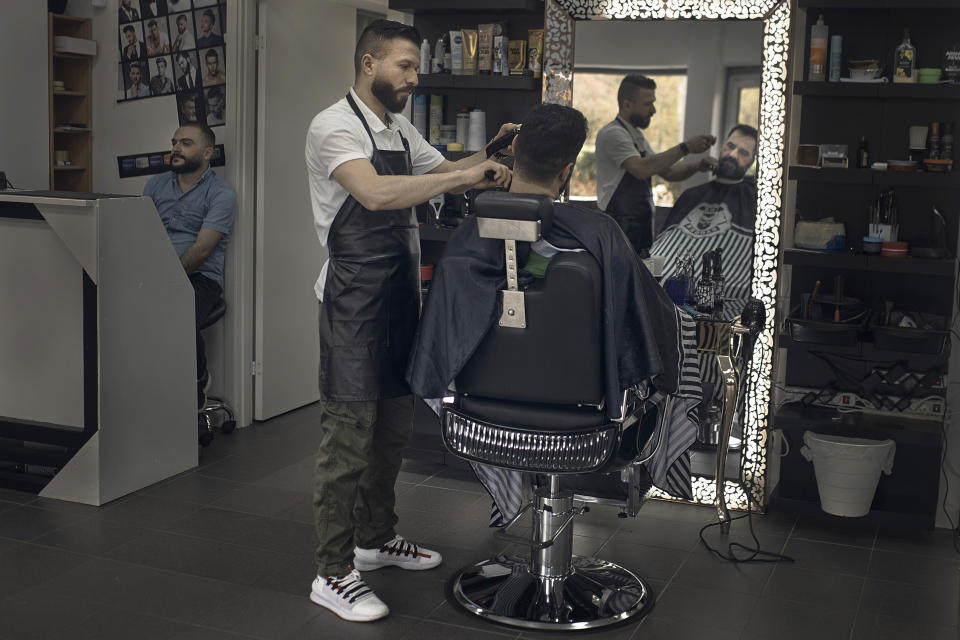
{"x": 213, "y": 404}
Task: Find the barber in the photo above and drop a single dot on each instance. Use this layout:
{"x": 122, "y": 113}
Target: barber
{"x": 626, "y": 162}
{"x": 368, "y": 167}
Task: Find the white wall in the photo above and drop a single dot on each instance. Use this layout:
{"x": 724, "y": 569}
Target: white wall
{"x": 706, "y": 49}
{"x": 24, "y": 98}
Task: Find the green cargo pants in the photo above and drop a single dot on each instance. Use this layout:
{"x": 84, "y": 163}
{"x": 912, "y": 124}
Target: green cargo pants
{"x": 357, "y": 467}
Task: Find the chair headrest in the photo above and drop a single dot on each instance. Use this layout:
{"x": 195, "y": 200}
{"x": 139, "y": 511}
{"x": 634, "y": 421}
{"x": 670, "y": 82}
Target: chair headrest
{"x": 502, "y": 205}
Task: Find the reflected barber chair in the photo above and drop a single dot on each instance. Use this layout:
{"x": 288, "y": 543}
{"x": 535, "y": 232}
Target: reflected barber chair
{"x": 530, "y": 399}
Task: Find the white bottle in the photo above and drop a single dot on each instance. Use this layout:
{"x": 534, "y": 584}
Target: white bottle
{"x": 424, "y": 57}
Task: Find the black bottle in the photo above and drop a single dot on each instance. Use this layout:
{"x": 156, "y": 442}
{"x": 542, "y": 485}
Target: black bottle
{"x": 704, "y": 295}
{"x": 863, "y": 154}
{"x": 718, "y": 280}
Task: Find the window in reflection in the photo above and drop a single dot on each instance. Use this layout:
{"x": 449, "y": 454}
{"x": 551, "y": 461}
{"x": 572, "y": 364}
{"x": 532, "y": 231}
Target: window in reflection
{"x": 596, "y": 98}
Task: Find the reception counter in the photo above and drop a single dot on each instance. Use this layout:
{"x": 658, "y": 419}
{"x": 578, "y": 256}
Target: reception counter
{"x": 97, "y": 347}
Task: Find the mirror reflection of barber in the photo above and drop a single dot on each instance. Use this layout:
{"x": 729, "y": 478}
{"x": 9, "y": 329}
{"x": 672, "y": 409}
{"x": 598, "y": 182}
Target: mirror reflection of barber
{"x": 626, "y": 163}
{"x": 719, "y": 213}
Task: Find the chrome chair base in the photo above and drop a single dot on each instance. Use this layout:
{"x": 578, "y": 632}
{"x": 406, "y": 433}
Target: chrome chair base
{"x": 596, "y": 594}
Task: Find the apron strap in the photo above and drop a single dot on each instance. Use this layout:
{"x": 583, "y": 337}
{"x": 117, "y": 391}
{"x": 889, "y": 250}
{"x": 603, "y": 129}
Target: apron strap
{"x": 620, "y": 122}
{"x": 363, "y": 121}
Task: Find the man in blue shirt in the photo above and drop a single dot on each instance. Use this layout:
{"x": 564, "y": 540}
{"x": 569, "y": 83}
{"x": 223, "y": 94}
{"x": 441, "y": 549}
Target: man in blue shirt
{"x": 196, "y": 207}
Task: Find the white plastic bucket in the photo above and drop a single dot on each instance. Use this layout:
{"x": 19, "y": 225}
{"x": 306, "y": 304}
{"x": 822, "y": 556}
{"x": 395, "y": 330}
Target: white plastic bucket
{"x": 847, "y": 470}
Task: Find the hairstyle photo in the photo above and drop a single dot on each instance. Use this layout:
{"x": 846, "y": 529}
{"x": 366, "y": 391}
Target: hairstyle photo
{"x": 190, "y": 107}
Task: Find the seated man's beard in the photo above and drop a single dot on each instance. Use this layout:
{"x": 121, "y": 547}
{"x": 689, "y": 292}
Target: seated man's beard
{"x": 383, "y": 92}
{"x": 189, "y": 165}
{"x": 729, "y": 169}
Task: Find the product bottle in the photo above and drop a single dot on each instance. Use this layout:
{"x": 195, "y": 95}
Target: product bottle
{"x": 424, "y": 57}
{"x": 946, "y": 141}
{"x": 836, "y": 57}
{"x": 463, "y": 126}
{"x": 705, "y": 293}
{"x": 863, "y": 154}
{"x": 933, "y": 141}
{"x": 718, "y": 279}
{"x": 818, "y": 51}
{"x": 951, "y": 63}
{"x": 905, "y": 60}
{"x": 440, "y": 50}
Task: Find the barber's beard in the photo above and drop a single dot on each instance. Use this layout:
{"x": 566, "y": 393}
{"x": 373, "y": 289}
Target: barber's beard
{"x": 728, "y": 169}
{"x": 189, "y": 165}
{"x": 392, "y": 100}
{"x": 639, "y": 121}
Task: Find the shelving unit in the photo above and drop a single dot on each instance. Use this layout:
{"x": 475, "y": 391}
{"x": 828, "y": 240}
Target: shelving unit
{"x": 842, "y": 113}
{"x": 70, "y": 106}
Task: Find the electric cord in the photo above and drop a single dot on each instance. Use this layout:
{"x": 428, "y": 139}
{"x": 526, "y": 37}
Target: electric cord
{"x": 755, "y": 553}
{"x": 946, "y": 484}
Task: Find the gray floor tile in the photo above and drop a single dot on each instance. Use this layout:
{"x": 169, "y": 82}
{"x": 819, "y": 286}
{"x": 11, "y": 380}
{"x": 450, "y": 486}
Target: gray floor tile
{"x": 292, "y": 575}
{"x": 726, "y": 610}
{"x": 206, "y": 633}
{"x": 881, "y": 627}
{"x": 661, "y": 532}
{"x": 296, "y": 476}
{"x": 242, "y": 469}
{"x": 31, "y": 619}
{"x": 193, "y": 488}
{"x": 19, "y": 497}
{"x": 824, "y": 556}
{"x": 648, "y": 562}
{"x": 447, "y": 501}
{"x": 28, "y": 522}
{"x": 938, "y": 543}
{"x": 786, "y": 620}
{"x": 194, "y": 556}
{"x": 926, "y": 571}
{"x": 30, "y": 565}
{"x": 9, "y": 543}
{"x": 327, "y": 625}
{"x": 94, "y": 536}
{"x": 63, "y": 506}
{"x": 431, "y": 630}
{"x": 817, "y": 588}
{"x": 739, "y": 534}
{"x": 261, "y": 501}
{"x": 703, "y": 569}
{"x": 143, "y": 510}
{"x": 261, "y": 613}
{"x": 271, "y": 534}
{"x": 302, "y": 511}
{"x": 108, "y": 624}
{"x": 454, "y": 479}
{"x": 776, "y": 523}
{"x": 664, "y": 629}
{"x": 836, "y": 530}
{"x": 678, "y": 511}
{"x": 412, "y": 593}
{"x": 927, "y": 605}
{"x": 621, "y": 631}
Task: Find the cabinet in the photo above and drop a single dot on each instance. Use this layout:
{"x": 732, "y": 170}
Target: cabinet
{"x": 70, "y": 107}
{"x": 842, "y": 113}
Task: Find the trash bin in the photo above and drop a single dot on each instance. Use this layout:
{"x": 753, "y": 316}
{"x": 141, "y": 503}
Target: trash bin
{"x": 847, "y": 470}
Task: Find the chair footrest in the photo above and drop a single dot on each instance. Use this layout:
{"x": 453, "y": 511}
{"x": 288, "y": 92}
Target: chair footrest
{"x": 595, "y": 594}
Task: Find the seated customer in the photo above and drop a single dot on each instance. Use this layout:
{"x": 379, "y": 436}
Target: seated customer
{"x": 196, "y": 207}
{"x": 720, "y": 213}
{"x": 647, "y": 340}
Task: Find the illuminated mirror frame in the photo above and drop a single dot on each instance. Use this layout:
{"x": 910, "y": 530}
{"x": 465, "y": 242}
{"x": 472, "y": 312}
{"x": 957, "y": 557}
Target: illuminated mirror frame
{"x": 558, "y": 88}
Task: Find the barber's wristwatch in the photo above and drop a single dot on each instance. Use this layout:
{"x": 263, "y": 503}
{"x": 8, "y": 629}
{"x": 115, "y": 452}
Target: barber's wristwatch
{"x": 684, "y": 148}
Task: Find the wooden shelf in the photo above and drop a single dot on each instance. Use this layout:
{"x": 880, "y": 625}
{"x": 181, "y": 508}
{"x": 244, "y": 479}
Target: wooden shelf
{"x": 70, "y": 167}
{"x": 73, "y": 56}
{"x": 70, "y": 93}
{"x": 59, "y": 17}
{"x": 71, "y": 106}
{"x": 59, "y": 130}
{"x": 452, "y": 6}
{"x": 874, "y": 90}
{"x": 450, "y": 81}
{"x": 922, "y": 179}
{"x": 945, "y": 267}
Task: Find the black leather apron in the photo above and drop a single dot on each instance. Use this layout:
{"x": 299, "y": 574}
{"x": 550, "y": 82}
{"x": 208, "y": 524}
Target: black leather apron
{"x": 371, "y": 299}
{"x": 632, "y": 206}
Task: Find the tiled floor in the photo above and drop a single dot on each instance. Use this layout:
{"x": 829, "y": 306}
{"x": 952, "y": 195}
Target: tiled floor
{"x": 225, "y": 551}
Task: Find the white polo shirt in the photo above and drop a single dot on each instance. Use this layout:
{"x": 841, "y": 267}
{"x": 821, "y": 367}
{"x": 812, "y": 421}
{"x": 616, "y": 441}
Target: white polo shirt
{"x": 336, "y": 135}
{"x": 616, "y": 142}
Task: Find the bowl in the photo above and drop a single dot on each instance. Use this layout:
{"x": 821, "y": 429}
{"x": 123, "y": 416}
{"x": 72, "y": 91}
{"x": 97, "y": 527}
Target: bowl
{"x": 859, "y": 75}
{"x": 872, "y": 245}
{"x": 928, "y": 75}
{"x": 895, "y": 250}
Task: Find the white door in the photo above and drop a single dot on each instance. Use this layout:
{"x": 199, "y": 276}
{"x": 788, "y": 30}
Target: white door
{"x": 305, "y": 64}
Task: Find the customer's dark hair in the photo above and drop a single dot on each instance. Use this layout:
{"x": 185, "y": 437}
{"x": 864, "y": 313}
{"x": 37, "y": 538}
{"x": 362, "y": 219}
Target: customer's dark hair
{"x": 746, "y": 130}
{"x": 378, "y": 33}
{"x": 629, "y": 85}
{"x": 209, "y": 137}
{"x": 551, "y": 137}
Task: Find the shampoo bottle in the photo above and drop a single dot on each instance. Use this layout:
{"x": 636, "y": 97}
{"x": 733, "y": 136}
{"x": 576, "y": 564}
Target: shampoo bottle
{"x": 818, "y": 51}
{"x": 905, "y": 60}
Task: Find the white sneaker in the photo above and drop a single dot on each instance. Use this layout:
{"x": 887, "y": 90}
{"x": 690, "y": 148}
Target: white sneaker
{"x": 348, "y": 597}
{"x": 396, "y": 553}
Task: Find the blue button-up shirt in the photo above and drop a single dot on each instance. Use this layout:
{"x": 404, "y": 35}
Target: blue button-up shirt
{"x": 208, "y": 204}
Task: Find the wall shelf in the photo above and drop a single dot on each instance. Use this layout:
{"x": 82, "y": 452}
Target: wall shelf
{"x": 79, "y": 94}
{"x": 877, "y": 90}
{"x": 450, "y": 81}
{"x": 71, "y": 167}
{"x": 923, "y": 179}
{"x": 859, "y": 262}
{"x": 71, "y": 106}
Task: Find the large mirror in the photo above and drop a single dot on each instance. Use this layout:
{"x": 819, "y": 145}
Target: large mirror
{"x": 729, "y": 67}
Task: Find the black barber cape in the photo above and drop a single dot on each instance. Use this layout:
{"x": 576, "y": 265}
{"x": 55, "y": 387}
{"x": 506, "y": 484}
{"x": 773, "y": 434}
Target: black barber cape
{"x": 715, "y": 214}
{"x": 640, "y": 322}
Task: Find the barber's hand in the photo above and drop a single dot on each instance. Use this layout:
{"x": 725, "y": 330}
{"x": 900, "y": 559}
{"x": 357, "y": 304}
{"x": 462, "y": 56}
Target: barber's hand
{"x": 479, "y": 176}
{"x": 707, "y": 163}
{"x": 699, "y": 144}
{"x": 505, "y": 129}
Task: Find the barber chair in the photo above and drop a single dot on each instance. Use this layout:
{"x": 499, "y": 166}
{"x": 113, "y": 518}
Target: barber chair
{"x": 531, "y": 399}
{"x": 215, "y": 405}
